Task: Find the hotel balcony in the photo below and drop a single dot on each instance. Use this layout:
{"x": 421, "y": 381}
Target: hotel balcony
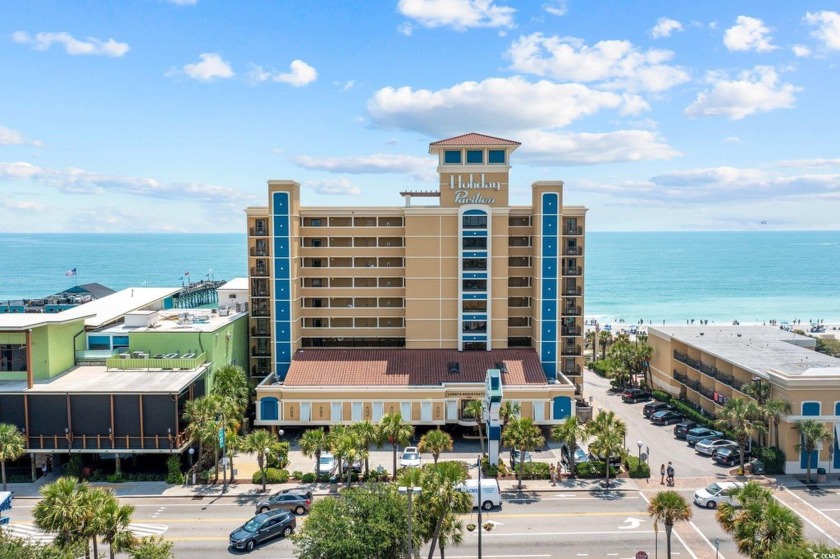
{"x": 260, "y": 332}
{"x": 258, "y": 251}
{"x": 571, "y": 310}
{"x": 573, "y": 270}
{"x": 698, "y": 387}
{"x": 572, "y": 230}
{"x": 571, "y": 371}
{"x": 708, "y": 370}
{"x": 575, "y": 291}
{"x": 259, "y": 271}
{"x": 572, "y": 251}
{"x": 260, "y": 351}
{"x": 571, "y": 331}
{"x": 258, "y": 231}
{"x": 570, "y": 350}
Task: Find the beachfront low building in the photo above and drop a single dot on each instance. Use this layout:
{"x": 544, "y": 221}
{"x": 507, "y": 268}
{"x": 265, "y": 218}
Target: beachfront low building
{"x": 358, "y": 311}
{"x": 111, "y": 377}
{"x": 707, "y": 365}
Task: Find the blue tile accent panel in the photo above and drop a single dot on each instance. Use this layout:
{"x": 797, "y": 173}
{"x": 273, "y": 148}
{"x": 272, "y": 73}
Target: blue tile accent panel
{"x": 281, "y": 312}
{"x": 550, "y": 369}
{"x": 494, "y": 433}
{"x": 549, "y": 311}
{"x": 475, "y": 275}
{"x": 281, "y": 247}
{"x": 549, "y": 268}
{"x": 475, "y": 254}
{"x": 269, "y": 409}
{"x": 551, "y": 204}
{"x": 548, "y": 331}
{"x": 282, "y": 352}
{"x": 281, "y": 226}
{"x": 549, "y": 248}
{"x": 282, "y": 289}
{"x": 281, "y": 268}
{"x": 837, "y": 408}
{"x": 474, "y": 233}
{"x": 803, "y": 459}
{"x": 475, "y": 212}
{"x": 475, "y": 316}
{"x": 548, "y": 351}
{"x": 281, "y": 203}
{"x": 476, "y": 338}
{"x": 549, "y": 289}
{"x": 549, "y": 225}
{"x": 562, "y": 407}
{"x": 836, "y": 452}
{"x": 283, "y": 332}
{"x": 280, "y": 370}
{"x": 472, "y": 296}
{"x": 810, "y": 408}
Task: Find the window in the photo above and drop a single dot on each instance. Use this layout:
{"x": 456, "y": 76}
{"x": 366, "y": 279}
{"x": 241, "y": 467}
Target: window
{"x": 316, "y": 223}
{"x": 475, "y": 264}
{"x": 475, "y": 326}
{"x": 496, "y": 156}
{"x": 425, "y": 411}
{"x": 356, "y": 411}
{"x": 405, "y": 410}
{"x": 475, "y": 222}
{"x": 378, "y": 410}
{"x": 335, "y": 411}
{"x": 305, "y": 411}
{"x": 539, "y": 411}
{"x": 12, "y": 358}
{"x": 474, "y": 306}
{"x": 475, "y": 243}
{"x": 452, "y": 156}
{"x": 475, "y": 156}
{"x": 475, "y": 285}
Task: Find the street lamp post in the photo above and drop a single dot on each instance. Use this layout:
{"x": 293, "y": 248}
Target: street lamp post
{"x": 411, "y": 490}
{"x": 639, "y": 444}
{"x": 221, "y": 416}
{"x": 480, "y": 508}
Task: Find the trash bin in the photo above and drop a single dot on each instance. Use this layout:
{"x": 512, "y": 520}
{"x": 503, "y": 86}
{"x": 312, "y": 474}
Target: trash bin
{"x": 821, "y": 476}
{"x": 333, "y": 484}
{"x": 757, "y": 467}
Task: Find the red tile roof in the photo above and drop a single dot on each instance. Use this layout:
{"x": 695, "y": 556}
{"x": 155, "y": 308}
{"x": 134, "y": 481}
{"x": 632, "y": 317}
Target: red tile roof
{"x": 409, "y": 367}
{"x": 474, "y": 139}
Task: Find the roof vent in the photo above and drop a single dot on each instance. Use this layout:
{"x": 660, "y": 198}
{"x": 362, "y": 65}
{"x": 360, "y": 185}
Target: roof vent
{"x": 454, "y": 368}
{"x": 501, "y": 366}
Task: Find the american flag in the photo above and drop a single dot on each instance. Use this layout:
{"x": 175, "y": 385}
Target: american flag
{"x": 70, "y": 273}
{"x": 186, "y": 273}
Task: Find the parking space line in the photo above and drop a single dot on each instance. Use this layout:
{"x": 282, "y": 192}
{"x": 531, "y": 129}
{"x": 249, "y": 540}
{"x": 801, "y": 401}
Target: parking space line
{"x": 705, "y": 539}
{"x": 674, "y": 532}
{"x": 808, "y": 520}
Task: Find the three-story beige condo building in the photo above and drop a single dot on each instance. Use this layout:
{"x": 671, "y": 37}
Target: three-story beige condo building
{"x": 361, "y": 311}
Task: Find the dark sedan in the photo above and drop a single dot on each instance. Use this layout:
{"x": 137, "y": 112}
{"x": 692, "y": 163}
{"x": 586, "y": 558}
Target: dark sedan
{"x": 633, "y": 395}
{"x": 729, "y": 456}
{"x": 653, "y": 407}
{"x": 700, "y": 433}
{"x": 263, "y": 527}
{"x": 295, "y": 502}
{"x": 682, "y": 428}
{"x": 666, "y": 417}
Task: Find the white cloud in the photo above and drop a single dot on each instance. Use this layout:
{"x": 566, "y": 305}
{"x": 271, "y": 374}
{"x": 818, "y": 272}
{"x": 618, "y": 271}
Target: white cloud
{"x": 664, "y": 27}
{"x": 300, "y": 74}
{"x": 420, "y": 167}
{"x": 556, "y": 7}
{"x": 333, "y": 187}
{"x": 756, "y": 90}
{"x": 72, "y": 46}
{"x": 71, "y": 180}
{"x": 23, "y": 206}
{"x": 748, "y": 33}
{"x": 815, "y": 162}
{"x": 9, "y": 137}
{"x": 800, "y": 51}
{"x": 457, "y": 14}
{"x": 495, "y": 105}
{"x": 614, "y": 64}
{"x": 210, "y": 68}
{"x": 546, "y": 148}
{"x": 183, "y": 2}
{"x": 345, "y": 86}
{"x": 733, "y": 140}
{"x": 828, "y": 27}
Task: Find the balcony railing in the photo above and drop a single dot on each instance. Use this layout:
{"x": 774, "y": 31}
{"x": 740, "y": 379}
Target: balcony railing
{"x": 571, "y": 371}
{"x": 569, "y": 230}
{"x": 571, "y": 330}
{"x": 260, "y": 331}
{"x": 103, "y": 441}
{"x": 709, "y": 370}
{"x": 573, "y": 291}
{"x": 570, "y": 350}
{"x": 259, "y": 251}
{"x": 571, "y": 310}
{"x": 127, "y": 362}
{"x": 573, "y": 270}
{"x": 572, "y": 251}
{"x": 257, "y": 351}
{"x": 259, "y": 271}
{"x": 258, "y": 231}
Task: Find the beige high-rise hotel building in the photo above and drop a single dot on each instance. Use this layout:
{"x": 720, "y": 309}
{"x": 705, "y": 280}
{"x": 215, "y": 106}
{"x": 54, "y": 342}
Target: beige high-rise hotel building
{"x": 360, "y": 311}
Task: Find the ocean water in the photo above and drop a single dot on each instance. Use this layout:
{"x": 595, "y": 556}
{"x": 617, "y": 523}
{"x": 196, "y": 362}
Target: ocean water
{"x": 655, "y": 277}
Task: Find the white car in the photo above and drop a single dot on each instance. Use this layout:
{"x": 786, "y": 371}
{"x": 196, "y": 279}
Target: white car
{"x": 326, "y": 464}
{"x": 410, "y": 457}
{"x": 716, "y": 493}
{"x": 710, "y": 445}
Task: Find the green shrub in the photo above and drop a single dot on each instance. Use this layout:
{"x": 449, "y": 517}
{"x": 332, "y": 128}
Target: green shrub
{"x": 635, "y": 468}
{"x": 117, "y": 477}
{"x": 593, "y": 469}
{"x": 661, "y": 396}
{"x": 692, "y": 414}
{"x": 74, "y": 466}
{"x": 773, "y": 458}
{"x": 173, "y": 470}
{"x": 533, "y": 470}
{"x": 272, "y": 475}
{"x": 309, "y": 477}
{"x": 378, "y": 475}
{"x": 601, "y": 367}
{"x": 297, "y": 474}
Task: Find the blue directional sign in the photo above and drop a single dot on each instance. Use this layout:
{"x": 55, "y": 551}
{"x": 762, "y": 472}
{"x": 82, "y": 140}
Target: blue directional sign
{"x": 221, "y": 437}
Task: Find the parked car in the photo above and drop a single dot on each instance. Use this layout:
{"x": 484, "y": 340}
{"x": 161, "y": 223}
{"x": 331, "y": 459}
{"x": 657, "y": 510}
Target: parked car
{"x": 653, "y": 407}
{"x": 666, "y": 417}
{"x": 263, "y": 527}
{"x": 682, "y": 428}
{"x": 729, "y": 455}
{"x": 295, "y": 502}
{"x": 633, "y": 395}
{"x": 410, "y": 457}
{"x": 716, "y": 493}
{"x": 299, "y": 490}
{"x": 326, "y": 465}
{"x": 700, "y": 433}
{"x": 580, "y": 455}
{"x": 514, "y": 458}
{"x": 710, "y": 445}
{"x": 614, "y": 458}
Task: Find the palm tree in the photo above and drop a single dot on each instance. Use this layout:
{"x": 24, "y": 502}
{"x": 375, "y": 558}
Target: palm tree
{"x": 812, "y": 434}
{"x": 760, "y": 392}
{"x": 395, "y": 431}
{"x": 608, "y": 432}
{"x": 152, "y": 547}
{"x": 742, "y": 417}
{"x": 760, "y": 524}
{"x": 521, "y": 434}
{"x": 260, "y": 441}
{"x": 440, "y": 499}
{"x": 774, "y": 411}
{"x": 508, "y": 410}
{"x": 605, "y": 339}
{"x": 312, "y": 443}
{"x": 451, "y": 532}
{"x": 348, "y": 446}
{"x": 475, "y": 408}
{"x": 62, "y": 510}
{"x": 96, "y": 499}
{"x": 589, "y": 341}
{"x": 366, "y": 432}
{"x": 115, "y": 532}
{"x": 12, "y": 446}
{"x": 231, "y": 383}
{"x": 569, "y": 433}
{"x": 435, "y": 441}
{"x": 202, "y": 427}
{"x": 668, "y": 508}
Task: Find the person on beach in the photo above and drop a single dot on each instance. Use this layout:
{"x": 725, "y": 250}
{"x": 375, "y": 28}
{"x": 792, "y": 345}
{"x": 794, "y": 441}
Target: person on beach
{"x": 662, "y": 475}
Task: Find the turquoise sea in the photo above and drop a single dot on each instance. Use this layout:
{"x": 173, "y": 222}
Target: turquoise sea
{"x": 717, "y": 276}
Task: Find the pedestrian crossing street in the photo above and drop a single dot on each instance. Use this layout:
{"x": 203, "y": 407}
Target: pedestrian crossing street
{"x": 31, "y": 533}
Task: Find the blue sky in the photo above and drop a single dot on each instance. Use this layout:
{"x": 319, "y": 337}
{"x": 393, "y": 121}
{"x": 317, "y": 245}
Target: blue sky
{"x": 158, "y": 115}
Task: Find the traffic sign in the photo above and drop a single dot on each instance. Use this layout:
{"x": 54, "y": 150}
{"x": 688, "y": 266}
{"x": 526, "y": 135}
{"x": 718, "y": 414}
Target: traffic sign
{"x": 641, "y": 555}
{"x": 221, "y": 437}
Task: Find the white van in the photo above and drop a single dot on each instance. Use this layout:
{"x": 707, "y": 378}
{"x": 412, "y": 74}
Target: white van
{"x": 716, "y": 493}
{"x": 491, "y": 496}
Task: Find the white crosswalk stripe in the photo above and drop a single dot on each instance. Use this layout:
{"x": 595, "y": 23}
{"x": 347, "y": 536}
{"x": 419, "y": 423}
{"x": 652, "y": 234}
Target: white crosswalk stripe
{"x": 29, "y": 533}
{"x": 144, "y": 530}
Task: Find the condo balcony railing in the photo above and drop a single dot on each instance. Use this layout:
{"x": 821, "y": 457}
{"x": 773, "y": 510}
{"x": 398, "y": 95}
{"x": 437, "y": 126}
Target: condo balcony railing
{"x": 258, "y": 231}
{"x": 679, "y": 377}
{"x": 573, "y": 270}
{"x": 572, "y": 291}
{"x": 104, "y": 441}
{"x": 571, "y": 230}
{"x": 260, "y": 331}
{"x": 709, "y": 370}
{"x": 259, "y": 271}
{"x": 138, "y": 360}
{"x": 570, "y": 350}
{"x": 258, "y": 351}
{"x": 259, "y": 251}
{"x": 571, "y": 310}
{"x": 571, "y": 371}
{"x": 571, "y": 330}
{"x": 572, "y": 251}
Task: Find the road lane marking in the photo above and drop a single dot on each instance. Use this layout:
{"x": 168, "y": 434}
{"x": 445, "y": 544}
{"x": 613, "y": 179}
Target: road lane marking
{"x": 702, "y": 535}
{"x": 673, "y": 531}
{"x": 632, "y": 523}
{"x": 808, "y": 520}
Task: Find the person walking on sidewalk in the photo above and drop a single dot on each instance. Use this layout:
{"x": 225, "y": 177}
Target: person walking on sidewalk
{"x": 552, "y": 472}
{"x": 662, "y": 475}
{"x": 670, "y": 472}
